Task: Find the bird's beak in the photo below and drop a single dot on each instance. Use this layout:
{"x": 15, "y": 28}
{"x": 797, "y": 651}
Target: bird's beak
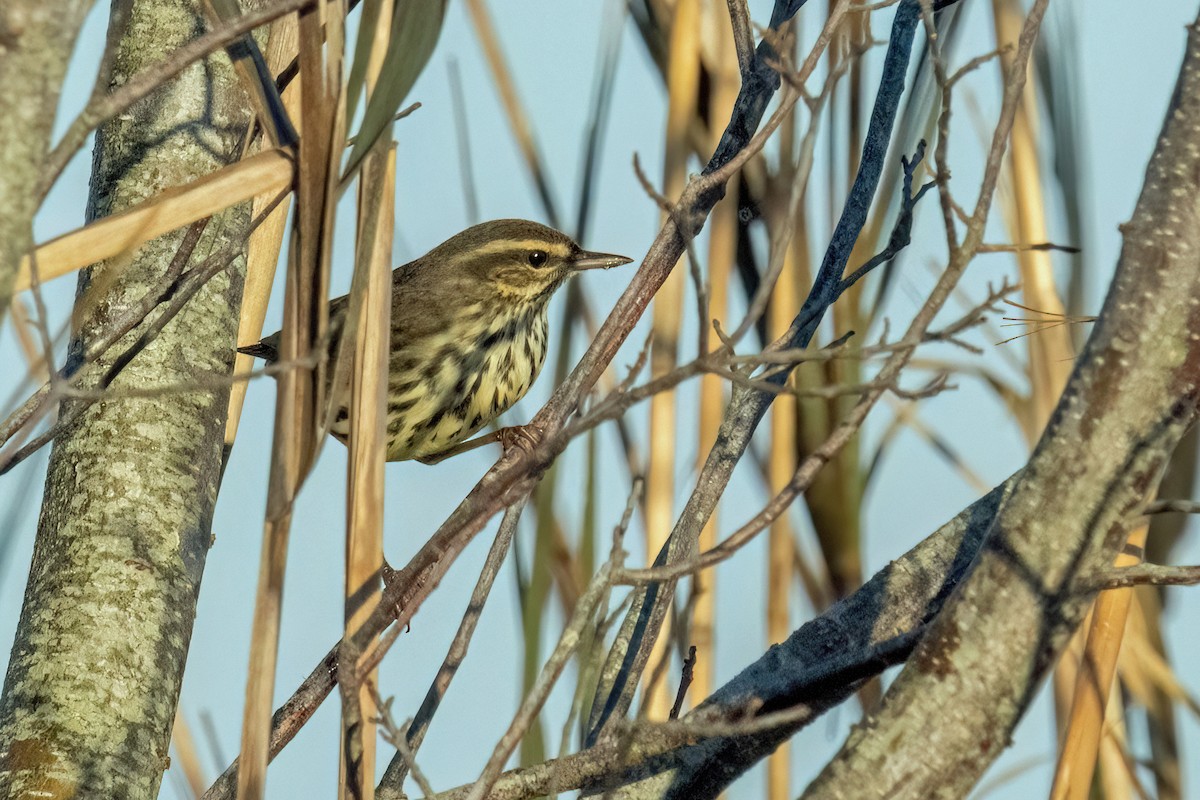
{"x": 587, "y": 260}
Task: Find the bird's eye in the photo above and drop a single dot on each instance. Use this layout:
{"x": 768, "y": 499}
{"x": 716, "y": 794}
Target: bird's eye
{"x": 537, "y": 258}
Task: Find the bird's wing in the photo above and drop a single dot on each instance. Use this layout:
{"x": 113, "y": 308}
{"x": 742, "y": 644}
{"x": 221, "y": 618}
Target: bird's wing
{"x": 413, "y": 298}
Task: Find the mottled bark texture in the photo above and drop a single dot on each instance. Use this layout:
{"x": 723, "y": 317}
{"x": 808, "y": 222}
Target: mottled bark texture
{"x": 1129, "y": 400}
{"x": 125, "y": 525}
{"x": 817, "y": 667}
{"x": 36, "y": 39}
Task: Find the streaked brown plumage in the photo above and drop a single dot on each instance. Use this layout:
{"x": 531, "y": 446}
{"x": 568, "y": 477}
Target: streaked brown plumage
{"x": 469, "y": 332}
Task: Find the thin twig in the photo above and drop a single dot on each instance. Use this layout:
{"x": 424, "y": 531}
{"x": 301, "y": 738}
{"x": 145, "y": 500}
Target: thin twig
{"x": 554, "y": 666}
{"x": 685, "y": 681}
{"x": 466, "y": 168}
{"x": 975, "y": 63}
{"x": 743, "y": 40}
{"x": 394, "y": 736}
{"x": 174, "y": 292}
{"x": 178, "y": 289}
{"x": 1173, "y": 506}
{"x": 457, "y": 651}
{"x": 941, "y": 172}
{"x": 41, "y": 317}
{"x": 1143, "y": 574}
{"x": 800, "y": 172}
{"x": 399, "y": 115}
{"x": 104, "y": 107}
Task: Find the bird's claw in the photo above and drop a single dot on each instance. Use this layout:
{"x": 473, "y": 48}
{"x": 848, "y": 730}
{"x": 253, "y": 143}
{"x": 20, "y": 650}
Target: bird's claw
{"x": 526, "y": 437}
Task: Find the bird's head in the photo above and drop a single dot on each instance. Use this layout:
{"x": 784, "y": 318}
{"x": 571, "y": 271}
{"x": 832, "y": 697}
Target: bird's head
{"x": 518, "y": 259}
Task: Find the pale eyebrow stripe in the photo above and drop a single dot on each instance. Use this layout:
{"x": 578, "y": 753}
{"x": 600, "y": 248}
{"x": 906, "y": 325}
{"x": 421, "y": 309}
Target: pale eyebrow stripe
{"x": 514, "y": 245}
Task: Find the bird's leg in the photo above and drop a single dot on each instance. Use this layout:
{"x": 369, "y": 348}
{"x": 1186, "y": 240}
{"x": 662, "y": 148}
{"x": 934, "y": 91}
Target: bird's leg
{"x": 525, "y": 437}
{"x": 461, "y": 447}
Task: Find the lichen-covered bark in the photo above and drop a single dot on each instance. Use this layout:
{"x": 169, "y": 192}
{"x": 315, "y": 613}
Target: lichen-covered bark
{"x": 125, "y": 525}
{"x": 814, "y": 669}
{"x": 36, "y": 39}
{"x": 1133, "y": 393}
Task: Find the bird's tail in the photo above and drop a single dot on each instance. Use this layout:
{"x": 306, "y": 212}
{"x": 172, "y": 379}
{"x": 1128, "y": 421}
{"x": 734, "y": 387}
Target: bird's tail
{"x": 267, "y": 349}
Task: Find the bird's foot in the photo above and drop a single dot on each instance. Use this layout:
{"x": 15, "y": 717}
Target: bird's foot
{"x": 525, "y": 437}
{"x": 389, "y": 576}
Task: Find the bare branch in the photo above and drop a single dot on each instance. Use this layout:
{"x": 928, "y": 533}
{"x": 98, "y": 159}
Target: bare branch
{"x": 743, "y": 40}
{"x": 628, "y": 657}
{"x": 413, "y": 738}
{"x": 567, "y": 643}
{"x": 1173, "y": 506}
{"x": 103, "y": 107}
{"x": 685, "y": 680}
{"x": 1147, "y": 574}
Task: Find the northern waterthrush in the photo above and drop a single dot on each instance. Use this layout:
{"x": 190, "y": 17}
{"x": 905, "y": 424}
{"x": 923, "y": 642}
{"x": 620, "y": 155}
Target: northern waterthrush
{"x": 468, "y": 334}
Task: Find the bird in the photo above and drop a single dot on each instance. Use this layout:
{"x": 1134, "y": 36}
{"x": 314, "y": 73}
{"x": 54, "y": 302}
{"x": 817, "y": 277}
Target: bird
{"x": 468, "y": 333}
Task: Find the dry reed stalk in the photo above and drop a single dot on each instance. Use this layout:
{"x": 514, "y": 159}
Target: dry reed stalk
{"x": 815, "y": 579}
{"x": 722, "y": 252}
{"x": 836, "y": 498}
{"x": 517, "y": 119}
{"x": 301, "y": 394}
{"x": 267, "y": 173}
{"x": 534, "y": 597}
{"x": 186, "y": 755}
{"x": 1077, "y": 761}
{"x": 1050, "y": 352}
{"x": 781, "y": 466}
{"x": 783, "y": 554}
{"x": 371, "y": 307}
{"x": 1149, "y": 678}
{"x": 1116, "y": 773}
{"x": 266, "y": 241}
{"x": 683, "y": 77}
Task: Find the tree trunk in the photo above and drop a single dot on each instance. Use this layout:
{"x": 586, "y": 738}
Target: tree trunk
{"x": 36, "y": 39}
{"x": 98, "y": 659}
